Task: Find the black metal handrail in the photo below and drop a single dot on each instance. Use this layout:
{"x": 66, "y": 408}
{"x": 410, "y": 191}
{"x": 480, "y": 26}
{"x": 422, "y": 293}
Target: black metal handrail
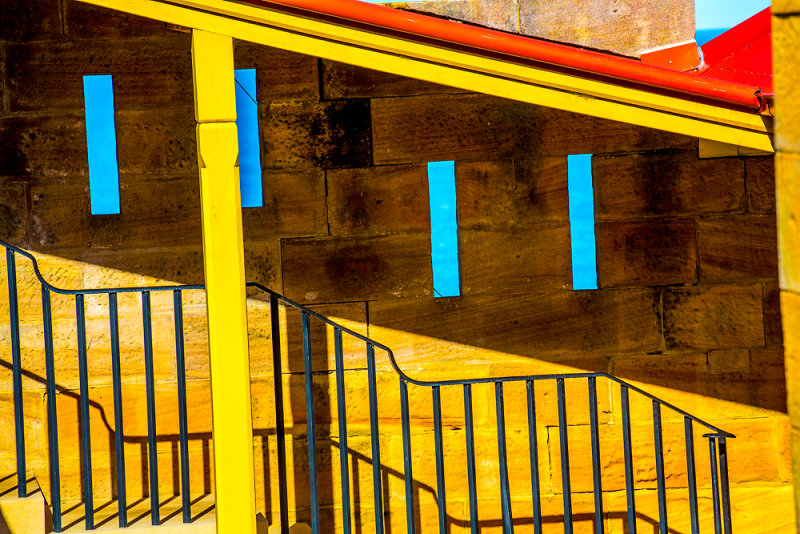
{"x": 717, "y": 437}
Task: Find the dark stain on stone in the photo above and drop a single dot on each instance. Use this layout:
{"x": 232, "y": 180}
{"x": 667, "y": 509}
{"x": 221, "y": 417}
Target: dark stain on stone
{"x": 356, "y": 267}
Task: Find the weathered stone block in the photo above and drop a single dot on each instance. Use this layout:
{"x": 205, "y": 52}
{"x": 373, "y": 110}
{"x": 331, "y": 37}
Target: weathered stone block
{"x": 786, "y": 46}
{"x": 13, "y": 214}
{"x": 279, "y": 74}
{"x": 459, "y": 127}
{"x": 728, "y": 361}
{"x": 146, "y": 73}
{"x": 787, "y": 168}
{"x": 511, "y": 262}
{"x": 497, "y": 14}
{"x": 347, "y": 81}
{"x": 30, "y": 20}
{"x": 666, "y": 184}
{"x": 335, "y": 270}
{"x": 773, "y": 331}
{"x": 262, "y": 263}
{"x": 760, "y": 175}
{"x": 502, "y": 193}
{"x": 378, "y": 200}
{"x": 313, "y": 134}
{"x": 737, "y": 248}
{"x": 646, "y": 253}
{"x": 785, "y": 7}
{"x": 714, "y": 317}
{"x": 84, "y": 21}
{"x": 52, "y": 146}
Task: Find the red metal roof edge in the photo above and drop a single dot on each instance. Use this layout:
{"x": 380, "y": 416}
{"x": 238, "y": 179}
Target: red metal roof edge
{"x": 740, "y": 35}
{"x": 528, "y": 48}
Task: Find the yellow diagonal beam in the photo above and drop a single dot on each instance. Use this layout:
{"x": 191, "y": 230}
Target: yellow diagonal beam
{"x": 223, "y": 257}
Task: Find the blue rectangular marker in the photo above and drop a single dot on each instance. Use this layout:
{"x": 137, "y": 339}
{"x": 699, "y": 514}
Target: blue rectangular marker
{"x": 101, "y": 141}
{"x": 249, "y": 141}
{"x": 444, "y": 228}
{"x": 581, "y": 221}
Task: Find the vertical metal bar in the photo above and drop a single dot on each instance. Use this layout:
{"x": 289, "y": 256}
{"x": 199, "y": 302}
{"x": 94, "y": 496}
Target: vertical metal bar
{"x": 712, "y": 455}
{"x": 724, "y": 485}
{"x": 151, "y": 408}
{"x": 660, "y": 482}
{"x": 534, "y": 445}
{"x": 183, "y": 427}
{"x": 52, "y": 422}
{"x": 691, "y": 474}
{"x": 505, "y": 492}
{"x": 55, "y": 478}
{"x": 626, "y": 443}
{"x": 596, "y": 474}
{"x": 437, "y": 433}
{"x": 473, "y": 491}
{"x": 16, "y": 360}
{"x": 280, "y": 435}
{"x": 562, "y": 430}
{"x": 312, "y": 438}
{"x": 343, "y": 449}
{"x": 116, "y": 374}
{"x": 86, "y": 443}
{"x": 376, "y": 446}
{"x": 409, "y": 477}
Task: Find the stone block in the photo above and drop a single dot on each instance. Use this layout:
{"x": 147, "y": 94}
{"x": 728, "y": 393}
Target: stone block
{"x": 513, "y": 262}
{"x": 262, "y": 263}
{"x": 84, "y": 21}
{"x": 53, "y": 146}
{"x": 135, "y": 267}
{"x": 279, "y": 74}
{"x": 307, "y": 134}
{"x": 499, "y": 14}
{"x": 378, "y": 200}
{"x": 660, "y": 184}
{"x": 146, "y": 73}
{"x": 790, "y": 310}
{"x": 32, "y": 20}
{"x": 348, "y": 81}
{"x": 294, "y": 205}
{"x": 32, "y": 427}
{"x": 785, "y": 7}
{"x": 336, "y": 270}
{"x": 734, "y": 248}
{"x": 647, "y": 253}
{"x": 13, "y": 214}
{"x": 760, "y": 177}
{"x": 787, "y": 168}
{"x": 22, "y": 514}
{"x": 478, "y": 127}
{"x": 773, "y": 331}
{"x": 786, "y": 45}
{"x": 550, "y": 325}
{"x": 714, "y": 317}
{"x": 728, "y": 361}
{"x": 497, "y": 194}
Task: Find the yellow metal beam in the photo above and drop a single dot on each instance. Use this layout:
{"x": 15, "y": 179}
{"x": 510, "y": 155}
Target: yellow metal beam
{"x": 459, "y": 69}
{"x": 223, "y": 257}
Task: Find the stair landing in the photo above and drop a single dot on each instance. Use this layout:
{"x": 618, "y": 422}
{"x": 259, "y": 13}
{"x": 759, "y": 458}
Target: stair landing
{"x": 21, "y": 515}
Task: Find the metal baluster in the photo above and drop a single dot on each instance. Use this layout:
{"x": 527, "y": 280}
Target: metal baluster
{"x": 343, "y": 449}
{"x": 312, "y": 438}
{"x": 626, "y": 443}
{"x": 151, "y": 408}
{"x": 712, "y": 454}
{"x": 437, "y": 432}
{"x": 119, "y": 449}
{"x": 409, "y": 478}
{"x": 691, "y": 474}
{"x": 596, "y": 474}
{"x": 52, "y": 426}
{"x": 724, "y": 486}
{"x": 505, "y": 493}
{"x": 180, "y": 365}
{"x": 533, "y": 441}
{"x": 562, "y": 430}
{"x": 280, "y": 433}
{"x": 86, "y": 443}
{"x": 661, "y": 484}
{"x": 376, "y": 445}
{"x": 16, "y": 360}
{"x": 473, "y": 493}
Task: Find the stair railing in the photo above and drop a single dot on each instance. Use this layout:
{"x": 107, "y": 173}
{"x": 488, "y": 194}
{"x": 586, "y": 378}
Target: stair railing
{"x": 718, "y": 457}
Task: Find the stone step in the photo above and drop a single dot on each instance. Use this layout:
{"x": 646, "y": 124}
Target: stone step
{"x": 21, "y": 515}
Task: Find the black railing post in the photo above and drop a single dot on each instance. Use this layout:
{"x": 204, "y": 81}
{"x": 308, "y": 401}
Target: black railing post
{"x": 691, "y": 474}
{"x": 437, "y": 434}
{"x": 534, "y": 446}
{"x": 280, "y": 433}
{"x": 311, "y": 423}
{"x": 409, "y": 477}
{"x": 183, "y": 427}
{"x": 470, "y": 435}
{"x": 151, "y": 408}
{"x": 505, "y": 492}
{"x": 661, "y": 483}
{"x": 119, "y": 444}
{"x": 724, "y": 485}
{"x": 596, "y": 474}
{"x": 376, "y": 445}
{"x": 562, "y": 430}
{"x": 86, "y": 443}
{"x": 712, "y": 456}
{"x": 16, "y": 362}
{"x": 52, "y": 422}
{"x": 343, "y": 449}
{"x": 626, "y": 443}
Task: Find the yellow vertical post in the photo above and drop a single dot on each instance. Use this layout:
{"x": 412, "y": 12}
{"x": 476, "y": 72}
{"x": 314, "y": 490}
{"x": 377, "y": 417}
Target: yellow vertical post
{"x": 223, "y": 257}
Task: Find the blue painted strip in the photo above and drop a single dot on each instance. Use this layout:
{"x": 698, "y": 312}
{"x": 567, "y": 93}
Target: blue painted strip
{"x": 249, "y": 141}
{"x": 581, "y": 221}
{"x": 444, "y": 228}
{"x": 101, "y": 141}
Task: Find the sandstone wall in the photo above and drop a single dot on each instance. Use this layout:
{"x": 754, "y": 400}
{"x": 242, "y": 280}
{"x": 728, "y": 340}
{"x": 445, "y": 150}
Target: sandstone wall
{"x": 687, "y": 305}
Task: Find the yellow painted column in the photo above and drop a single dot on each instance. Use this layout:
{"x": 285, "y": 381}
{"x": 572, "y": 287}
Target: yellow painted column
{"x": 223, "y": 256}
{"x": 786, "y": 47}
